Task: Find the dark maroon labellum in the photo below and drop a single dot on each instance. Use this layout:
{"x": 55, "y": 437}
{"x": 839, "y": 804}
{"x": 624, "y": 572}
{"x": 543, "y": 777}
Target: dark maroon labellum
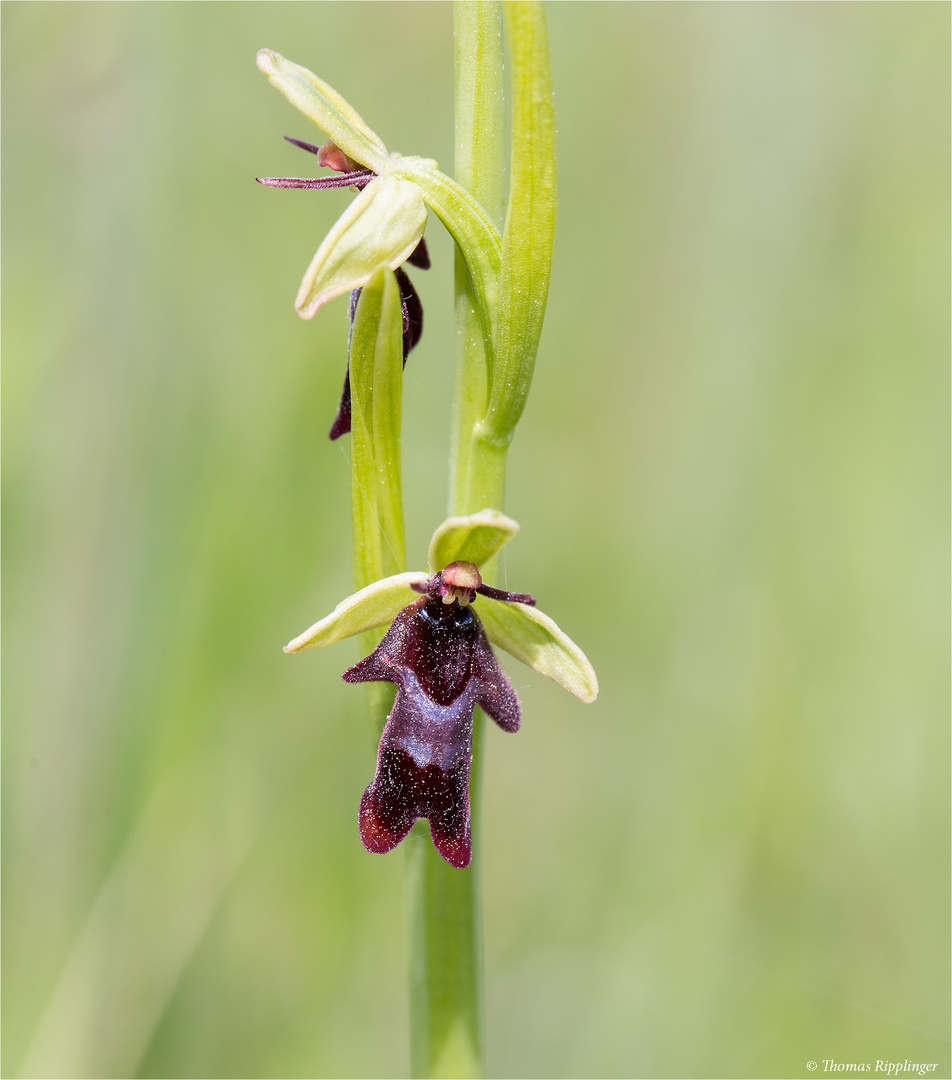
{"x": 438, "y": 657}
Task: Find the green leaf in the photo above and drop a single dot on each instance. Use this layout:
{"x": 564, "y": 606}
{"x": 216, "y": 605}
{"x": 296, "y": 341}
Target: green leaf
{"x": 530, "y": 221}
{"x": 376, "y": 605}
{"x": 376, "y": 385}
{"x": 387, "y": 409}
{"x": 475, "y": 538}
{"x": 382, "y": 225}
{"x": 533, "y": 638}
{"x": 321, "y": 103}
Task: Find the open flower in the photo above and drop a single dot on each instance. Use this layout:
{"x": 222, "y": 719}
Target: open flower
{"x": 437, "y": 654}
{"x": 322, "y": 282}
{"x": 353, "y": 176}
{"x": 383, "y": 225}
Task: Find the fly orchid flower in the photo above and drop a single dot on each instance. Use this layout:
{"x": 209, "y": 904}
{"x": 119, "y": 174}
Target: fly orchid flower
{"x": 384, "y": 224}
{"x": 437, "y": 653}
{"x": 332, "y": 157}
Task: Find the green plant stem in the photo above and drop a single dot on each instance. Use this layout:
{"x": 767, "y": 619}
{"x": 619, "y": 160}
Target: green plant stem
{"x": 445, "y": 955}
{"x": 530, "y": 221}
{"x": 443, "y": 903}
{"x": 495, "y": 353}
{"x": 479, "y": 168}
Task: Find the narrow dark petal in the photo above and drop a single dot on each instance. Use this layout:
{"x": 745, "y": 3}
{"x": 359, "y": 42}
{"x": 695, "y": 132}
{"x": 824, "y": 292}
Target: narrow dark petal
{"x": 412, "y": 313}
{"x": 359, "y": 179}
{"x": 508, "y": 597}
{"x": 420, "y": 256}
{"x": 309, "y": 147}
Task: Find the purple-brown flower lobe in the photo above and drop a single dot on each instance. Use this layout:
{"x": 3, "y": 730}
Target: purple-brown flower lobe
{"x": 438, "y": 657}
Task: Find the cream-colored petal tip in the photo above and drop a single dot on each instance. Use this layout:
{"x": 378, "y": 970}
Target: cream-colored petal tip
{"x": 265, "y": 61}
{"x": 375, "y": 605}
{"x": 532, "y": 637}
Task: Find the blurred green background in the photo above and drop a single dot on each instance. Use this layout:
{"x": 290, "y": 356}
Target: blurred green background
{"x": 732, "y": 480}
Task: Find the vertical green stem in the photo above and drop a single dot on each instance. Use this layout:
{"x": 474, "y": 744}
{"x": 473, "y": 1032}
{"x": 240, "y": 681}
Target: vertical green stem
{"x": 443, "y": 903}
{"x": 480, "y": 167}
{"x": 444, "y": 912}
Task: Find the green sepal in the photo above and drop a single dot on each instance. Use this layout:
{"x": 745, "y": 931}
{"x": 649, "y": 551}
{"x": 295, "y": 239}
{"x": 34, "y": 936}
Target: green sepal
{"x": 321, "y": 103}
{"x": 533, "y": 638}
{"x": 475, "y": 538}
{"x": 381, "y": 226}
{"x": 376, "y": 605}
